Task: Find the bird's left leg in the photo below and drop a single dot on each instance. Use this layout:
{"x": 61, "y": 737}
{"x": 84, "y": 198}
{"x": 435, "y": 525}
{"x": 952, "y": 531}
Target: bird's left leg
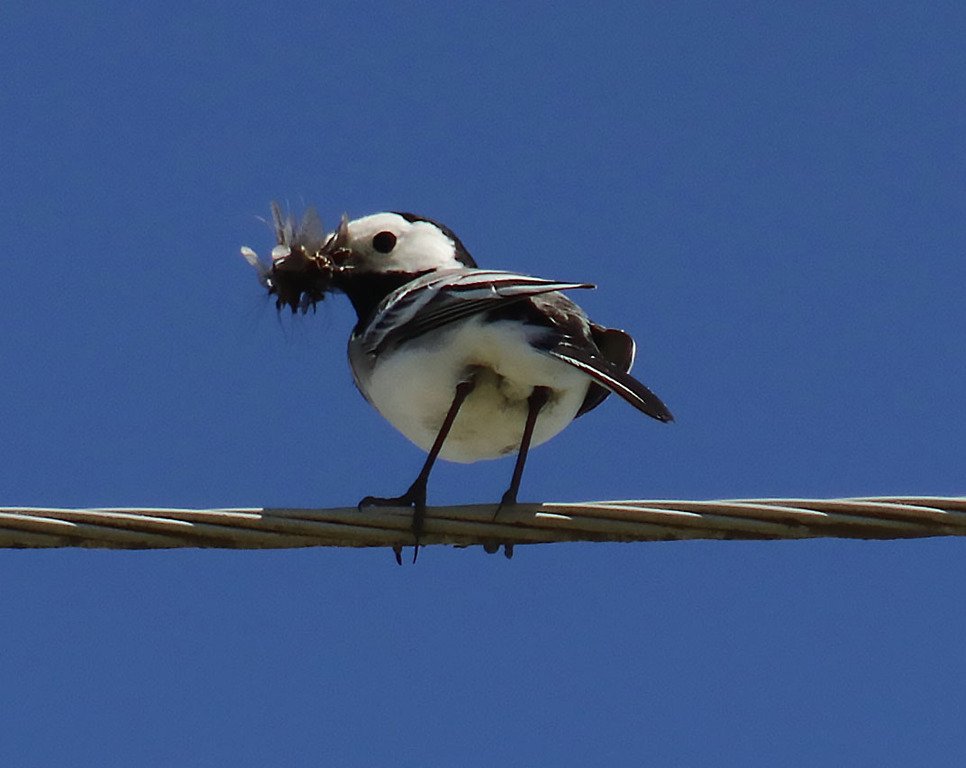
{"x": 415, "y": 497}
{"x": 538, "y": 398}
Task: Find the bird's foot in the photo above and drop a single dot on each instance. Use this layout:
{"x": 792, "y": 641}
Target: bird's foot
{"x": 509, "y": 499}
{"x": 415, "y": 497}
{"x": 492, "y": 547}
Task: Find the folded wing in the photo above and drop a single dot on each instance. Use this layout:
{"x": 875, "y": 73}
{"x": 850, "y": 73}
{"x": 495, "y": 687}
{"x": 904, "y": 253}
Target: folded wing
{"x": 444, "y": 297}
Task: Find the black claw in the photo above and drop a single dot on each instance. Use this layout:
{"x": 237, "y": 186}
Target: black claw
{"x": 415, "y": 497}
{"x": 380, "y": 501}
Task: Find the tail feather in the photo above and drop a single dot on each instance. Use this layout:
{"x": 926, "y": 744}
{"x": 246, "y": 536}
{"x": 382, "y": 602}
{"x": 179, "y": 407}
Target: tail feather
{"x": 617, "y": 381}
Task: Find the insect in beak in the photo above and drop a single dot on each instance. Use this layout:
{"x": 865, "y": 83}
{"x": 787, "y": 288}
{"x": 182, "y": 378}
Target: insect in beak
{"x": 305, "y": 263}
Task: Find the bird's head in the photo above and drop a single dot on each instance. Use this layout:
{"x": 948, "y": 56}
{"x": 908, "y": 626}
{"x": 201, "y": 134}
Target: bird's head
{"x": 401, "y": 243}
{"x": 383, "y": 248}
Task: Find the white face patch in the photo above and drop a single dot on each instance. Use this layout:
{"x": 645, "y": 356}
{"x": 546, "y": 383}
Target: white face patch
{"x": 387, "y": 242}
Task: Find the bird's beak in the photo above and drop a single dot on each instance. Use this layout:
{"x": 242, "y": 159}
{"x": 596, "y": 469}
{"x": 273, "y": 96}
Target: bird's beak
{"x": 305, "y": 263}
{"x": 338, "y": 243}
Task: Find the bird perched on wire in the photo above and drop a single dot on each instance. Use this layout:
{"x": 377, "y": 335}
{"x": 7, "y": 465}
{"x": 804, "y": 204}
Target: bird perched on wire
{"x": 467, "y": 363}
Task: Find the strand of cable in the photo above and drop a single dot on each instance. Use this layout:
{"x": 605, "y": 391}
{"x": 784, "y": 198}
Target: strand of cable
{"x": 893, "y": 517}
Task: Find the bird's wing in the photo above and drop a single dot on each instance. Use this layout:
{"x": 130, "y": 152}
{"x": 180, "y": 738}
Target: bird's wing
{"x": 440, "y": 298}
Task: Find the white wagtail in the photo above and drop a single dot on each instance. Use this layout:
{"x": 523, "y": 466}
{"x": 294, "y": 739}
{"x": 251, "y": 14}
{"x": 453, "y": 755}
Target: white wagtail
{"x": 467, "y": 363}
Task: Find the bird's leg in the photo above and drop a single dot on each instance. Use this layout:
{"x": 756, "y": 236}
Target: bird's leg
{"x": 415, "y": 497}
{"x": 538, "y": 398}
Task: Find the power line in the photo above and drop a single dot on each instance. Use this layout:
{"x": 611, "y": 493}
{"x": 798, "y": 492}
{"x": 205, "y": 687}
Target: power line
{"x": 891, "y": 517}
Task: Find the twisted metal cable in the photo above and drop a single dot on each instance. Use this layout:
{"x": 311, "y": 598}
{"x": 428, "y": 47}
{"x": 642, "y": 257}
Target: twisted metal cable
{"x": 892, "y": 517}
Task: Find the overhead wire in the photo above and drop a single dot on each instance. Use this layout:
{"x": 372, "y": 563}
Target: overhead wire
{"x": 886, "y": 517}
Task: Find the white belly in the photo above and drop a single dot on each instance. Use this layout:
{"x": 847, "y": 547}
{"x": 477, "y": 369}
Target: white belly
{"x": 414, "y": 389}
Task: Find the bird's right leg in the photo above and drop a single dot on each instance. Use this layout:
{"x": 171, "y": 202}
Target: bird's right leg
{"x": 415, "y": 497}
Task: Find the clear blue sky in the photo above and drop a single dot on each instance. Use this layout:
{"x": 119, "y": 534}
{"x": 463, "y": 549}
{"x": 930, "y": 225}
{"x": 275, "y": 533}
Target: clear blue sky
{"x": 771, "y": 198}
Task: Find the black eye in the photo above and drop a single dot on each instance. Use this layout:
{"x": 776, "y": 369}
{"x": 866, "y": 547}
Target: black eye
{"x": 384, "y": 242}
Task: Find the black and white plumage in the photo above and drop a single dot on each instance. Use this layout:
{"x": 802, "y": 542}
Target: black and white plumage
{"x": 467, "y": 363}
{"x": 508, "y": 333}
